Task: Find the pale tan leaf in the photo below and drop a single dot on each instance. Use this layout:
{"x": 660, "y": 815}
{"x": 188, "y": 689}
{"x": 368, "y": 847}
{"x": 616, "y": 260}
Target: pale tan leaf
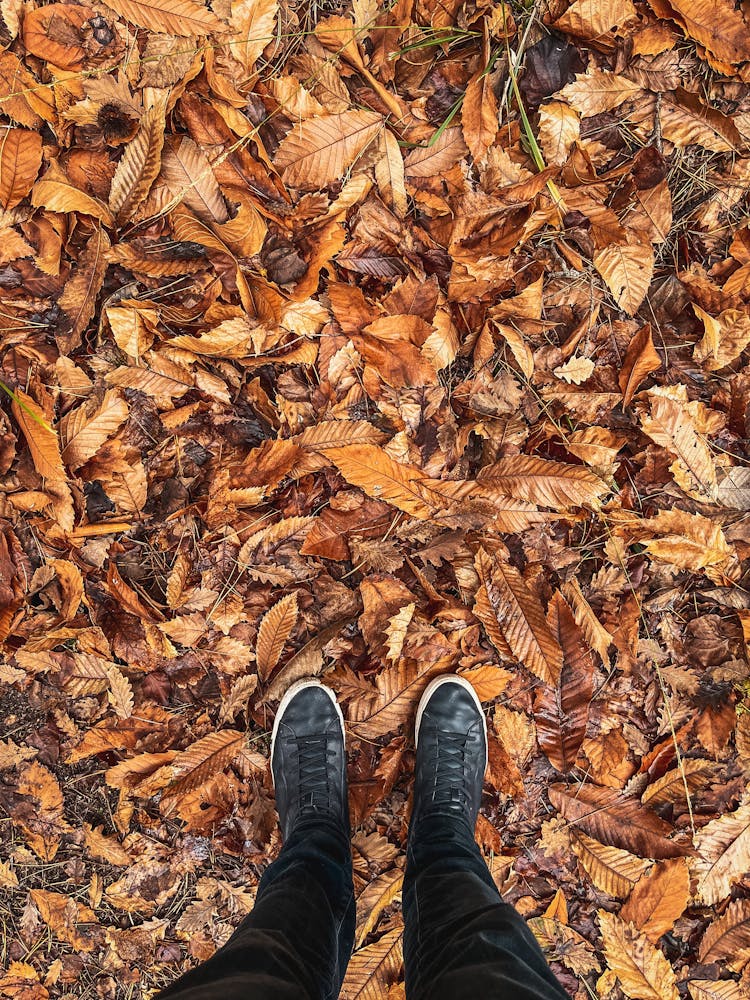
{"x": 188, "y": 173}
{"x": 575, "y": 370}
{"x": 670, "y": 426}
{"x": 372, "y": 970}
{"x": 239, "y": 697}
{"x": 173, "y": 17}
{"x": 627, "y": 271}
{"x": 643, "y": 971}
{"x": 598, "y": 91}
{"x": 436, "y": 157}
{"x": 595, "y": 19}
{"x": 611, "y": 869}
{"x": 275, "y": 629}
{"x": 319, "y": 150}
{"x": 539, "y": 481}
{"x": 120, "y": 692}
{"x": 141, "y": 161}
{"x": 521, "y": 617}
{"x": 389, "y": 174}
{"x": 559, "y": 128}
{"x": 727, "y": 938}
{"x": 670, "y": 789}
{"x": 723, "y": 858}
{"x": 659, "y": 898}
{"x": 724, "y": 339}
{"x": 716, "y": 989}
{"x": 396, "y": 630}
{"x": 252, "y": 22}
{"x": 84, "y": 431}
{"x": 375, "y": 897}
{"x": 104, "y": 848}
{"x": 594, "y": 632}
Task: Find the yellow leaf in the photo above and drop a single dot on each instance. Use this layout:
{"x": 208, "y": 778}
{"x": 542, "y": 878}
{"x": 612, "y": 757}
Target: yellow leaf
{"x": 275, "y": 629}
{"x": 374, "y": 898}
{"x": 627, "y": 271}
{"x": 559, "y": 128}
{"x": 643, "y": 971}
{"x": 20, "y": 160}
{"x": 611, "y": 869}
{"x": 170, "y": 17}
{"x": 372, "y": 970}
{"x": 318, "y": 151}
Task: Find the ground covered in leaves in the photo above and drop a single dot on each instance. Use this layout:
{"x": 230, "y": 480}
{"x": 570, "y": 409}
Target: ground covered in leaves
{"x": 374, "y": 343}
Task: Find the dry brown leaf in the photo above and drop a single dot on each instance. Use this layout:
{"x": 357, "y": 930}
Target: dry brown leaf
{"x": 723, "y": 847}
{"x": 83, "y": 431}
{"x": 659, "y": 898}
{"x": 275, "y": 629}
{"x": 373, "y": 969}
{"x": 551, "y": 484}
{"x": 598, "y": 91}
{"x": 643, "y": 971}
{"x": 479, "y": 114}
{"x": 521, "y": 618}
{"x": 640, "y": 360}
{"x": 141, "y": 161}
{"x": 173, "y": 17}
{"x": 20, "y": 160}
{"x": 78, "y": 299}
{"x": 375, "y": 898}
{"x": 57, "y": 193}
{"x": 611, "y": 869}
{"x": 727, "y": 937}
{"x": 627, "y": 271}
{"x": 318, "y": 151}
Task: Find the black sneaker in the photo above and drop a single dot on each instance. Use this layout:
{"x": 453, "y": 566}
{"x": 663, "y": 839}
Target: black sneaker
{"x": 308, "y": 757}
{"x": 451, "y": 740}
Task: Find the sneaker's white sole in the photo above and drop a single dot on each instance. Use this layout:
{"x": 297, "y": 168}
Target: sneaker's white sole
{"x": 290, "y": 693}
{"x": 432, "y": 688}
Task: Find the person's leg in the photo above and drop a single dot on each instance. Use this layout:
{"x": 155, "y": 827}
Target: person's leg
{"x": 296, "y": 942}
{"x": 461, "y": 941}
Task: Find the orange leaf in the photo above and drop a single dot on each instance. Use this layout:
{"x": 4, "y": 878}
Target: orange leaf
{"x": 20, "y": 160}
{"x": 275, "y": 629}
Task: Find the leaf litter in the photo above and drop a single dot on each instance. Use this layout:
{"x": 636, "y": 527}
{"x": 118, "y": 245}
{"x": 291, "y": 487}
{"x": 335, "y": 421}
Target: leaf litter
{"x": 373, "y": 342}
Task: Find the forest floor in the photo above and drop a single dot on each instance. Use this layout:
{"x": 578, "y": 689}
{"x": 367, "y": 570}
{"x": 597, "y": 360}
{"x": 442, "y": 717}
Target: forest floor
{"x": 374, "y": 342}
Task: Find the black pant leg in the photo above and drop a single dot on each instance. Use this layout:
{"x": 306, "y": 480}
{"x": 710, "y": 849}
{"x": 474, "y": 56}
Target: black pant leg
{"x": 296, "y": 942}
{"x": 461, "y": 941}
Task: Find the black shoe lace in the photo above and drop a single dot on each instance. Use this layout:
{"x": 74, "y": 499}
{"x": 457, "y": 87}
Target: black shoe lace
{"x": 313, "y": 755}
{"x": 450, "y": 774}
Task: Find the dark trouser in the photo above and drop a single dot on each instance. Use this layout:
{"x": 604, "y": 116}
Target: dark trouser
{"x": 461, "y": 941}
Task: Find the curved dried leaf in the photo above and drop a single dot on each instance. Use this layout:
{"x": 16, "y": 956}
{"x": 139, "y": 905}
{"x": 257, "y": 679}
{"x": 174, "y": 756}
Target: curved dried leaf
{"x": 57, "y": 193}
{"x": 670, "y": 425}
{"x": 20, "y": 160}
{"x": 616, "y": 819}
{"x": 205, "y": 758}
{"x": 670, "y": 788}
{"x": 643, "y": 971}
{"x": 389, "y": 174}
{"x": 521, "y": 618}
{"x": 253, "y": 22}
{"x": 728, "y": 937}
{"x": 83, "y": 433}
{"x": 716, "y": 24}
{"x": 78, "y": 299}
{"x": 318, "y": 152}
{"x": 375, "y": 898}
{"x": 373, "y": 969}
{"x": 686, "y": 121}
{"x": 436, "y": 157}
{"x": 598, "y": 91}
{"x": 479, "y": 117}
{"x": 610, "y": 868}
{"x": 640, "y": 360}
{"x": 170, "y": 17}
{"x": 275, "y": 629}
{"x": 716, "y": 989}
{"x": 559, "y": 128}
{"x": 188, "y": 173}
{"x": 723, "y": 847}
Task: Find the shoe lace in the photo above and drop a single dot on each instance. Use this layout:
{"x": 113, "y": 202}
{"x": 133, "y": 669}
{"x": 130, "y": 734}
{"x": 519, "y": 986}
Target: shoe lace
{"x": 450, "y": 758}
{"x": 313, "y": 755}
